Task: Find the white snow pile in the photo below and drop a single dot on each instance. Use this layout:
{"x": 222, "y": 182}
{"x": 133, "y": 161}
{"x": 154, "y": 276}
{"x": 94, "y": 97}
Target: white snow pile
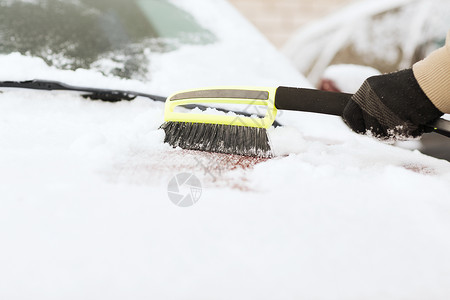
{"x": 85, "y": 211}
{"x": 348, "y": 78}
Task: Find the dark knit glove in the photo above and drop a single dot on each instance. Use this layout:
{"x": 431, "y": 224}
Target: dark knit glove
{"x": 390, "y": 106}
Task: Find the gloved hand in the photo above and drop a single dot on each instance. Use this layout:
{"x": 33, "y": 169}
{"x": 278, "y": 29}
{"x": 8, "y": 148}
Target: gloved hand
{"x": 390, "y": 106}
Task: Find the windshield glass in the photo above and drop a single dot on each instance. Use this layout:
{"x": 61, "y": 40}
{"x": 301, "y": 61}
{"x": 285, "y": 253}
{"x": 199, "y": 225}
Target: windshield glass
{"x": 113, "y": 36}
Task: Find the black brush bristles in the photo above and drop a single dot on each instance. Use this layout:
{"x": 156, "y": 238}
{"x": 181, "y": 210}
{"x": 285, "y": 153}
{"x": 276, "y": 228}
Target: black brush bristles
{"x": 240, "y": 140}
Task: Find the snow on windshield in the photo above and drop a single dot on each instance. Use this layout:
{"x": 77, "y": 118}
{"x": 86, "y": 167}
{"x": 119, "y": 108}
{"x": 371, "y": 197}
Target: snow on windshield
{"x": 85, "y": 207}
{"x": 116, "y": 37}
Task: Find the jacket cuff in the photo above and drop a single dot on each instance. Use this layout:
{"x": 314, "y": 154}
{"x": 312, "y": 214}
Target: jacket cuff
{"x": 433, "y": 76}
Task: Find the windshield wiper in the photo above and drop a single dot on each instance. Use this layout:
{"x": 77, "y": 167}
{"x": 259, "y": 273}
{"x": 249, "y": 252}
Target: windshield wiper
{"x": 89, "y": 93}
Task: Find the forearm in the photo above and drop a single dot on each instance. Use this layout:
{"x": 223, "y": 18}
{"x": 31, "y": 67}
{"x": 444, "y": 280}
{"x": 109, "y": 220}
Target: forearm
{"x": 433, "y": 76}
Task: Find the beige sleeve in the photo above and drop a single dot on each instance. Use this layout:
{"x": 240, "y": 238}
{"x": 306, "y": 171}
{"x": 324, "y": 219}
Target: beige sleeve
{"x": 433, "y": 76}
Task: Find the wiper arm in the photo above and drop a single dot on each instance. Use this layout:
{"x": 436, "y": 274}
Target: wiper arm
{"x": 91, "y": 93}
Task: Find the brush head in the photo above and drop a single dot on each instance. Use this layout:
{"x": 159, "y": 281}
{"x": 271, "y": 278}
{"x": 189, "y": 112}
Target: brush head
{"x": 233, "y": 133}
{"x": 241, "y": 140}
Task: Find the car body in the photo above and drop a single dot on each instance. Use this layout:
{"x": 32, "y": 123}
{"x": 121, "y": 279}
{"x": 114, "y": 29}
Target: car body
{"x": 88, "y": 188}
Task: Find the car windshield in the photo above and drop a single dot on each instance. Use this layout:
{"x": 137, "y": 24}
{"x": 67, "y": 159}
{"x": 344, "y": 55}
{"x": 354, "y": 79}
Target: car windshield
{"x": 113, "y": 36}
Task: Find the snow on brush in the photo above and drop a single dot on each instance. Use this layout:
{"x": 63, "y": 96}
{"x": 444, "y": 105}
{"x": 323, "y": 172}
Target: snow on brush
{"x": 85, "y": 210}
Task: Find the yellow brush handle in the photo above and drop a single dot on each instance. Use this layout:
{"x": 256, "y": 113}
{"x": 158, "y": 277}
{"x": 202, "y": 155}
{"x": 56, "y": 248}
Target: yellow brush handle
{"x": 258, "y": 96}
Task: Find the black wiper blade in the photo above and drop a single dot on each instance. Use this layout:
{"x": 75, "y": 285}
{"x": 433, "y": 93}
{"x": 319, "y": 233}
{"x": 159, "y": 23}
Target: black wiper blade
{"x": 108, "y": 95}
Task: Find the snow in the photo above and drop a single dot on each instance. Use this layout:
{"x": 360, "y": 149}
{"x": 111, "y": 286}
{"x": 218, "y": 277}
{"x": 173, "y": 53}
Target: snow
{"x": 348, "y": 78}
{"x": 85, "y": 213}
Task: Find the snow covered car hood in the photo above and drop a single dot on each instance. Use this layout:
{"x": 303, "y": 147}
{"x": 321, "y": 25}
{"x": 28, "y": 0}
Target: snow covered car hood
{"x": 85, "y": 209}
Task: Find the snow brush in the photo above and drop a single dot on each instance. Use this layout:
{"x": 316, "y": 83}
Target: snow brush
{"x": 240, "y": 133}
{"x": 246, "y": 135}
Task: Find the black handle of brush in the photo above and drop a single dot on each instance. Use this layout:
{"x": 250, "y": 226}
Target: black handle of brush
{"x": 310, "y": 100}
{"x": 330, "y": 103}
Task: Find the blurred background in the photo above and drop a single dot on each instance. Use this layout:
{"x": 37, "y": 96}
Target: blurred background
{"x": 279, "y": 19}
{"x": 373, "y": 33}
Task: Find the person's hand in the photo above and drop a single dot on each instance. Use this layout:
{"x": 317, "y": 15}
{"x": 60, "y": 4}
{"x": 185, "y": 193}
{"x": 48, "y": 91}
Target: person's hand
{"x": 390, "y": 106}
